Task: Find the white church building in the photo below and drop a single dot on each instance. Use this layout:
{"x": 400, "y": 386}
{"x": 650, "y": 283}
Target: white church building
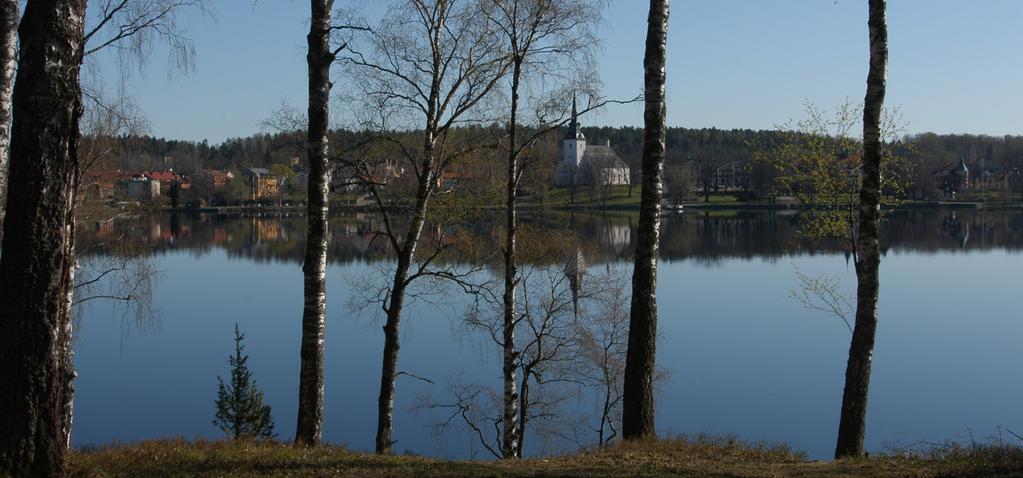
{"x": 588, "y": 165}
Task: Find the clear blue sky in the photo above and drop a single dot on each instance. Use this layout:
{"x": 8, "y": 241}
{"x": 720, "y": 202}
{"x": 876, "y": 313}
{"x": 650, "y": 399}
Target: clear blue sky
{"x": 955, "y": 66}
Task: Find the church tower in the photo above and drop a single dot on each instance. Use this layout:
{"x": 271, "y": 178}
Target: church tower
{"x": 573, "y": 147}
{"x": 575, "y": 141}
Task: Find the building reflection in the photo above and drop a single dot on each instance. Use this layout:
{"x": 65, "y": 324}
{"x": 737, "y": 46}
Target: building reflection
{"x": 704, "y": 237}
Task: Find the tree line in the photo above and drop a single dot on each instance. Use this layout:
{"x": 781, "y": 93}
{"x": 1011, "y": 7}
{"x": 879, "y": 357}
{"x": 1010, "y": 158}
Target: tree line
{"x": 693, "y": 158}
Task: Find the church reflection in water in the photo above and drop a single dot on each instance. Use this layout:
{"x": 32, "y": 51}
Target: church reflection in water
{"x": 706, "y": 236}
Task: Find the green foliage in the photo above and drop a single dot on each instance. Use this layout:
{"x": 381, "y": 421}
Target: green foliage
{"x": 240, "y": 409}
{"x": 238, "y": 189}
{"x": 175, "y": 194}
{"x": 818, "y": 163}
{"x": 930, "y": 155}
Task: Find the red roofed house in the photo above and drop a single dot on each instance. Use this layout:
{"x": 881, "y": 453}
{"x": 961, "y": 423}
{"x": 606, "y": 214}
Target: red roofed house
{"x": 98, "y": 185}
{"x": 217, "y": 178}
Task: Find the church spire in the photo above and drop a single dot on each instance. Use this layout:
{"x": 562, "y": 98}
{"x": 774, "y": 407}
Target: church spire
{"x": 573, "y": 126}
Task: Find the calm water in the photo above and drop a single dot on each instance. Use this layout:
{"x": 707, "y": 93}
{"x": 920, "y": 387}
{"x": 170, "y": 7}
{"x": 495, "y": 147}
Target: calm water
{"x": 740, "y": 355}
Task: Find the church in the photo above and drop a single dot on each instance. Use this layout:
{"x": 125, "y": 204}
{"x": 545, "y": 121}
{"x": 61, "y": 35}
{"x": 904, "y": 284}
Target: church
{"x": 588, "y": 165}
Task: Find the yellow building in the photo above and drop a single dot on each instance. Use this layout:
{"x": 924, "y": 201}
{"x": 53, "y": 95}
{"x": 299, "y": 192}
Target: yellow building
{"x": 262, "y": 185}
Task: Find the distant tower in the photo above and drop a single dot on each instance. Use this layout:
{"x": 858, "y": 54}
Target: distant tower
{"x": 964, "y": 173}
{"x": 573, "y": 148}
{"x": 575, "y": 141}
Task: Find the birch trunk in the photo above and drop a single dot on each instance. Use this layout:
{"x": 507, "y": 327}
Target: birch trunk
{"x": 36, "y": 267}
{"x": 456, "y": 67}
{"x": 8, "y": 55}
{"x": 314, "y": 314}
{"x": 67, "y": 331}
{"x": 509, "y": 443}
{"x": 638, "y": 399}
{"x": 852, "y": 426}
{"x": 396, "y": 302}
{"x": 523, "y": 409}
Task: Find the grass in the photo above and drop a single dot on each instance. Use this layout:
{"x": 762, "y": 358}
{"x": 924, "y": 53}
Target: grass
{"x": 699, "y": 456}
{"x": 615, "y": 197}
{"x": 718, "y": 198}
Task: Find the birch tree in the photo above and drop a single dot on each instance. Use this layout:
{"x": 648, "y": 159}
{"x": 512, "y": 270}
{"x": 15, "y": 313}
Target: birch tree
{"x": 9, "y": 15}
{"x": 314, "y": 313}
{"x": 541, "y": 36}
{"x": 114, "y": 269}
{"x": 603, "y": 337}
{"x": 572, "y": 328}
{"x": 45, "y": 138}
{"x": 817, "y": 163}
{"x": 852, "y": 425}
{"x": 131, "y": 27}
{"x": 429, "y": 66}
{"x": 36, "y": 269}
{"x": 545, "y": 358}
{"x": 638, "y": 391}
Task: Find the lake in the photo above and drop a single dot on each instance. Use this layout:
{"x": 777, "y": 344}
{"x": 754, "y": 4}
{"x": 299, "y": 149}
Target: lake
{"x": 739, "y": 355}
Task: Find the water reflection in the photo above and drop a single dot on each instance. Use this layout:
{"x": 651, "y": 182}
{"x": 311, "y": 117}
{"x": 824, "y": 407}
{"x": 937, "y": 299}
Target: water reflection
{"x": 706, "y": 237}
{"x": 742, "y": 357}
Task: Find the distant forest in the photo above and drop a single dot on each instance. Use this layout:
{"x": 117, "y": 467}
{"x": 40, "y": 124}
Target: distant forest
{"x": 690, "y": 151}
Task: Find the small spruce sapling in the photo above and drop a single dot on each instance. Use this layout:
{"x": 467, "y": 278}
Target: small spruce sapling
{"x": 240, "y": 409}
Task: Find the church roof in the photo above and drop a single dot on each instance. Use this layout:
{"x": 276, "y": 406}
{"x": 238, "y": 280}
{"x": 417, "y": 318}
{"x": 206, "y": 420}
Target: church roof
{"x": 962, "y": 166}
{"x": 603, "y": 157}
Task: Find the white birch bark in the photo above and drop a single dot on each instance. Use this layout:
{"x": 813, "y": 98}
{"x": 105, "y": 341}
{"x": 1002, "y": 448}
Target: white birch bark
{"x": 638, "y": 399}
{"x": 36, "y": 269}
{"x": 9, "y": 15}
{"x": 853, "y": 423}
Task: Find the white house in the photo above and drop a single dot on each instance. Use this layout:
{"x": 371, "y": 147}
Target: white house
{"x": 588, "y": 165}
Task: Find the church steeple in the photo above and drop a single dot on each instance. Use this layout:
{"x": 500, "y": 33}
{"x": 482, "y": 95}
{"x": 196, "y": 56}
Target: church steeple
{"x": 573, "y": 148}
{"x": 573, "y": 126}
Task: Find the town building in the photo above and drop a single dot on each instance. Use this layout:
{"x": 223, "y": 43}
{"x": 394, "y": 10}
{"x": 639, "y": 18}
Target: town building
{"x": 138, "y": 188}
{"x": 98, "y": 185}
{"x": 166, "y": 178}
{"x": 719, "y": 175}
{"x": 347, "y": 178}
{"x": 588, "y": 165}
{"x": 216, "y": 178}
{"x": 262, "y": 185}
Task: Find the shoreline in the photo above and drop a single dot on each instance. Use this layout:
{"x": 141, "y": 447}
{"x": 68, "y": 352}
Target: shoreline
{"x": 720, "y": 206}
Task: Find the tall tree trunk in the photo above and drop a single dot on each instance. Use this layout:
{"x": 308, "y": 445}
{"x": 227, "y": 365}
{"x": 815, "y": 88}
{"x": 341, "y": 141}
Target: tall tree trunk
{"x": 523, "y": 410}
{"x": 396, "y": 302}
{"x": 8, "y": 54}
{"x": 37, "y": 264}
{"x": 314, "y": 314}
{"x": 853, "y": 422}
{"x": 509, "y": 443}
{"x": 638, "y": 399}
{"x": 450, "y": 68}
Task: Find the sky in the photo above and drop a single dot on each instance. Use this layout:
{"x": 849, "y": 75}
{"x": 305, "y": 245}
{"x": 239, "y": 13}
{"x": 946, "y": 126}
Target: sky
{"x": 954, "y": 66}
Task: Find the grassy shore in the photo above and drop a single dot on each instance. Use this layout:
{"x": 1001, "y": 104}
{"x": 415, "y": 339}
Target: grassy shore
{"x": 715, "y": 457}
{"x": 616, "y": 198}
